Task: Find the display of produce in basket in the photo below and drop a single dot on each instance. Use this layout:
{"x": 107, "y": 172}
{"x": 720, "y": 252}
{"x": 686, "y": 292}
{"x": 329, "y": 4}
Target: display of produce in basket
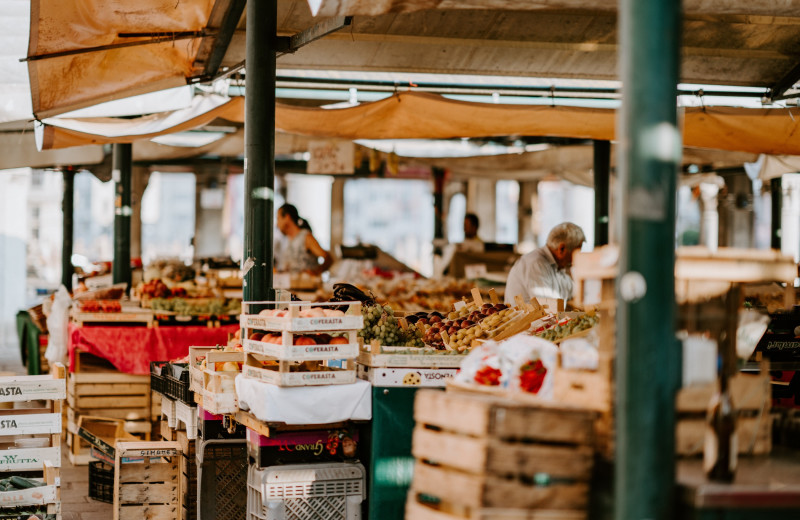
{"x": 99, "y": 306}
{"x": 462, "y": 327}
{"x": 200, "y": 307}
{"x": 567, "y": 327}
{"x": 300, "y": 339}
{"x": 381, "y": 324}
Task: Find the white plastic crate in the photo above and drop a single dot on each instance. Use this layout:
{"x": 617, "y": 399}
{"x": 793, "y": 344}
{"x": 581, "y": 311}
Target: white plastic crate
{"x": 332, "y": 491}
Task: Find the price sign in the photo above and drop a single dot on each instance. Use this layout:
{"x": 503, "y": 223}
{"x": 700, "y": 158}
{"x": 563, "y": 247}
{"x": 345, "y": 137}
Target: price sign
{"x": 331, "y": 156}
{"x": 473, "y": 271}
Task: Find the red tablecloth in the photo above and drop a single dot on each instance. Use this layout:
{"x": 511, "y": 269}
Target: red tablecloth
{"x": 131, "y": 349}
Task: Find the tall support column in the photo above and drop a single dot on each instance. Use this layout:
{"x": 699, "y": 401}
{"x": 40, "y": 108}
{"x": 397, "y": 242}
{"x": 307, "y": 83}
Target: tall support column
{"x": 122, "y": 155}
{"x": 648, "y": 356}
{"x": 602, "y": 175}
{"x": 337, "y": 212}
{"x": 776, "y": 191}
{"x": 66, "y": 245}
{"x": 709, "y": 222}
{"x": 259, "y": 135}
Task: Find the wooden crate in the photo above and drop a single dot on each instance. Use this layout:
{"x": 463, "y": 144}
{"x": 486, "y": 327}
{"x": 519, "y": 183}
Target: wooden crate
{"x": 218, "y": 392}
{"x": 149, "y": 485}
{"x": 30, "y": 423}
{"x": 48, "y": 495}
{"x": 188, "y": 476}
{"x": 477, "y": 453}
{"x": 751, "y": 396}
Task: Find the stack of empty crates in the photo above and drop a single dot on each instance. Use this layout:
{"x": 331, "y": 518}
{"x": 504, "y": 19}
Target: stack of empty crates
{"x": 483, "y": 457}
{"x": 99, "y": 390}
{"x": 30, "y": 443}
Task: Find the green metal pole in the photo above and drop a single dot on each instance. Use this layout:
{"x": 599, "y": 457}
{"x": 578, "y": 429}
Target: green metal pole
{"x": 648, "y": 355}
{"x": 67, "y": 205}
{"x": 602, "y": 174}
{"x": 776, "y": 190}
{"x": 259, "y": 170}
{"x": 122, "y": 155}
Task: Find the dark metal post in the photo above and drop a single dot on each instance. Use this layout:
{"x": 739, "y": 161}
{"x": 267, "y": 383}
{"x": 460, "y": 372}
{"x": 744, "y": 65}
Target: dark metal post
{"x": 602, "y": 172}
{"x": 776, "y": 190}
{"x": 648, "y": 355}
{"x": 259, "y": 171}
{"x": 122, "y": 156}
{"x": 438, "y": 209}
{"x": 66, "y": 244}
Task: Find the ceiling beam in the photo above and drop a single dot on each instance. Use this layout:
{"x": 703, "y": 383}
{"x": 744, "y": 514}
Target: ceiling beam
{"x": 550, "y": 46}
{"x": 777, "y": 91}
{"x": 224, "y": 18}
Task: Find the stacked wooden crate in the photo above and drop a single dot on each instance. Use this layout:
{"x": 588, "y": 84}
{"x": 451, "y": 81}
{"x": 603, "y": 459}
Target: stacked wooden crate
{"x": 146, "y": 481}
{"x": 102, "y": 392}
{"x": 30, "y": 439}
{"x": 481, "y": 458}
{"x": 752, "y": 398}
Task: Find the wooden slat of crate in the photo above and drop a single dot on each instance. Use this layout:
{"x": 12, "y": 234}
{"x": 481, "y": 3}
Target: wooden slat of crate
{"x": 108, "y": 401}
{"x": 149, "y": 489}
{"x": 419, "y": 511}
{"x": 112, "y": 413}
{"x": 748, "y": 392}
{"x": 479, "y": 415}
{"x": 477, "y": 491}
{"x": 148, "y": 512}
{"x": 754, "y": 435}
{"x": 106, "y": 389}
{"x": 108, "y": 377}
{"x": 497, "y": 457}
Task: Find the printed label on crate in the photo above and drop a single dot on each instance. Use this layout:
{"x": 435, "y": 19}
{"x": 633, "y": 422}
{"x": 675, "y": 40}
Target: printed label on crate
{"x": 29, "y": 459}
{"x": 28, "y": 388}
{"x": 302, "y": 352}
{"x": 400, "y": 360}
{"x": 30, "y": 423}
{"x": 310, "y": 446}
{"x": 299, "y": 378}
{"x": 31, "y": 496}
{"x": 134, "y": 454}
{"x": 333, "y": 323}
{"x": 428, "y": 377}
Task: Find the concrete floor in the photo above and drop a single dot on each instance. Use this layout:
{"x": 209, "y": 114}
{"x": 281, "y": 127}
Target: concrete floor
{"x": 75, "y": 501}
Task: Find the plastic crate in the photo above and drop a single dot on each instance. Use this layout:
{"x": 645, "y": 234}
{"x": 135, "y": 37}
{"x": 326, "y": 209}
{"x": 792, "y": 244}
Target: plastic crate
{"x": 222, "y": 479}
{"x": 332, "y": 491}
{"x": 101, "y": 481}
{"x": 158, "y": 378}
{"x": 177, "y": 383}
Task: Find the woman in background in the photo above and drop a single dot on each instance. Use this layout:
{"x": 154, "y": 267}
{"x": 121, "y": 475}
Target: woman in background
{"x": 302, "y": 251}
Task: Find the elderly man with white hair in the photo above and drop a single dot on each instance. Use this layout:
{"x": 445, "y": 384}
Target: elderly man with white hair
{"x": 544, "y": 273}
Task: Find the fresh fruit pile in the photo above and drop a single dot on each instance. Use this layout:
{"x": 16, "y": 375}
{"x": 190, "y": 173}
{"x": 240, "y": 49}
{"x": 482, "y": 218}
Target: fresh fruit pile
{"x": 99, "y": 306}
{"x": 300, "y": 339}
{"x": 155, "y": 289}
{"x": 204, "y": 307}
{"x": 568, "y": 327}
{"x": 380, "y": 324}
{"x": 464, "y": 325}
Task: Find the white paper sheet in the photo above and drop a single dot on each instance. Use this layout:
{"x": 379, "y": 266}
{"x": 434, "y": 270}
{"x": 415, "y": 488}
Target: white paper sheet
{"x": 306, "y": 404}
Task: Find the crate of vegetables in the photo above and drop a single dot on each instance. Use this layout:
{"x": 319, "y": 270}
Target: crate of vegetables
{"x": 302, "y": 316}
{"x": 220, "y": 369}
{"x": 290, "y": 346}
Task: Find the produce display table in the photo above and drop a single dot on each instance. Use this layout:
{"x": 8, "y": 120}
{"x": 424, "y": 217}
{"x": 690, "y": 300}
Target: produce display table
{"x": 765, "y": 488}
{"x": 130, "y": 348}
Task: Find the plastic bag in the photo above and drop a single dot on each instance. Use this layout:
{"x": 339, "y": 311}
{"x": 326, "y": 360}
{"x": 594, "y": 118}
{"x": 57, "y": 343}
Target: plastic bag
{"x": 58, "y": 326}
{"x": 581, "y": 353}
{"x": 483, "y": 367}
{"x": 529, "y": 363}
{"x": 751, "y": 327}
{"x": 521, "y": 363}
